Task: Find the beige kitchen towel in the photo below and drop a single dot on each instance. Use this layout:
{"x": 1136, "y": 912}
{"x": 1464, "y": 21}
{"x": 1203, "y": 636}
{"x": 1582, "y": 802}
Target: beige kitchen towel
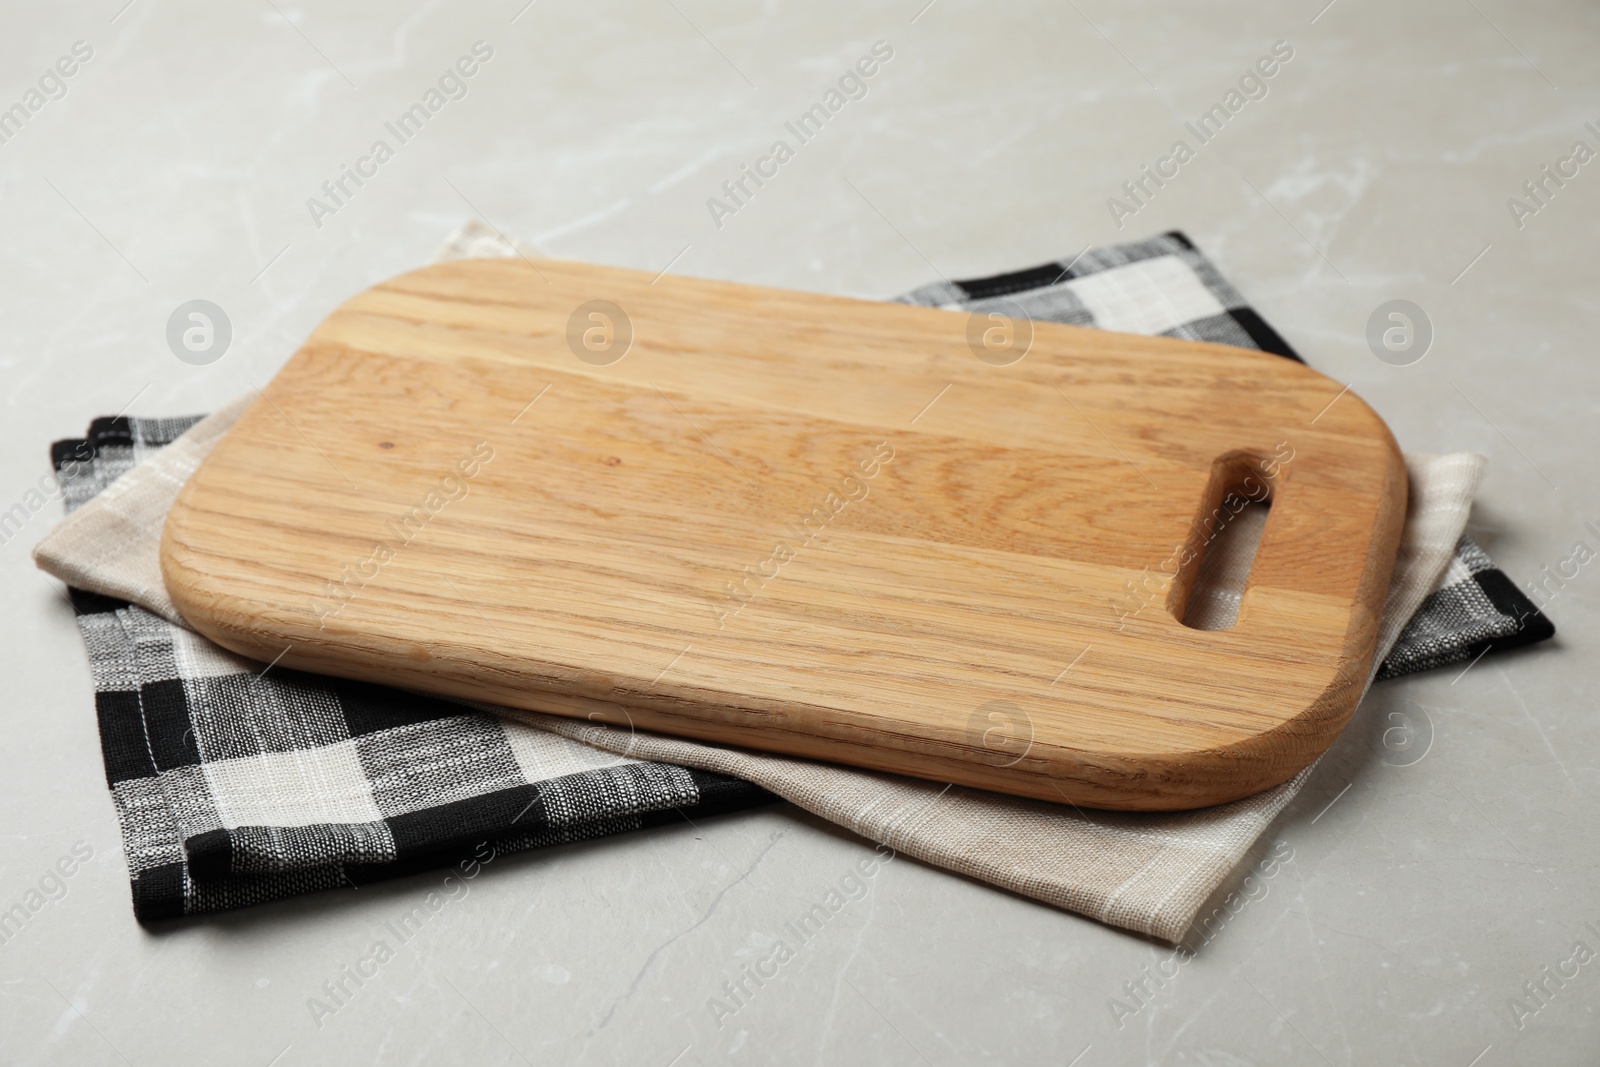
{"x": 1148, "y": 872}
{"x": 1144, "y": 872}
{"x": 111, "y": 545}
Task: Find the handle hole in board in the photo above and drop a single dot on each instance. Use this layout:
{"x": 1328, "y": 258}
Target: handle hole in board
{"x": 1223, "y": 540}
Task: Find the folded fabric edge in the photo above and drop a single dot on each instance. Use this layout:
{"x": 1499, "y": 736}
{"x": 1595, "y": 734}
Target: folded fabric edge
{"x": 485, "y": 242}
{"x": 170, "y": 892}
{"x": 215, "y": 854}
{"x": 122, "y": 514}
{"x": 1106, "y": 913}
{"x": 1434, "y": 523}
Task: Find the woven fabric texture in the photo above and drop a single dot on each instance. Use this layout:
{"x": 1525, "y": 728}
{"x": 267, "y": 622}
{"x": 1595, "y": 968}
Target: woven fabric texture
{"x": 236, "y": 785}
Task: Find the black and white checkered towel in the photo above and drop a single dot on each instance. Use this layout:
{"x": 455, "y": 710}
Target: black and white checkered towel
{"x": 236, "y": 785}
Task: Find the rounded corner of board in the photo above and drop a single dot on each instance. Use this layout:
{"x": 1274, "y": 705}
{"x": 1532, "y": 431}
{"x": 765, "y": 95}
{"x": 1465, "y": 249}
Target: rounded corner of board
{"x": 185, "y": 583}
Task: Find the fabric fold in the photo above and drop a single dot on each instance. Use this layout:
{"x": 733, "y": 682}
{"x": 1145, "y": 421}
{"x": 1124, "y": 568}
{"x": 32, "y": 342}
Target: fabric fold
{"x": 235, "y": 784}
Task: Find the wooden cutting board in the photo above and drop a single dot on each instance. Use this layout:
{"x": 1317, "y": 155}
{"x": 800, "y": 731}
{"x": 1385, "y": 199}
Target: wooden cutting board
{"x": 804, "y": 524}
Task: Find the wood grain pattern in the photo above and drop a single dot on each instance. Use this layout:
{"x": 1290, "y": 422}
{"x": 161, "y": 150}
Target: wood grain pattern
{"x": 806, "y": 525}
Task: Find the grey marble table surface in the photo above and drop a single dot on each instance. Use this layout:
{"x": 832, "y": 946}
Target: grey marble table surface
{"x": 1425, "y": 152}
